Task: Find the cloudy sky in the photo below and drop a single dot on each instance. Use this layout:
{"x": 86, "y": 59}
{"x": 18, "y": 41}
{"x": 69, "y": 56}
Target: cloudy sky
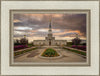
{"x": 35, "y": 26}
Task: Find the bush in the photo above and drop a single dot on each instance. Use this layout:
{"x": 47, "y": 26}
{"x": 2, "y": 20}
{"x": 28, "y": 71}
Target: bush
{"x": 76, "y": 41}
{"x": 17, "y": 44}
{"x": 84, "y": 44}
{"x": 18, "y": 47}
{"x": 79, "y": 47}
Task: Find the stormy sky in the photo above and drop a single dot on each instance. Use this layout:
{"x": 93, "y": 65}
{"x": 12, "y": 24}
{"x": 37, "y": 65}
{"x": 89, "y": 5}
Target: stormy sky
{"x": 35, "y": 26}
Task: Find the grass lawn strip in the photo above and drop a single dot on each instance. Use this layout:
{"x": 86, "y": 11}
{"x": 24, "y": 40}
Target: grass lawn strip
{"x": 76, "y": 51}
{"x": 24, "y": 51}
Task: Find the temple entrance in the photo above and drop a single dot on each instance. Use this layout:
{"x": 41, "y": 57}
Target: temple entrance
{"x": 49, "y": 42}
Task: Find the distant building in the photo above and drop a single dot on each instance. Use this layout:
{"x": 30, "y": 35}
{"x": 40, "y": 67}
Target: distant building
{"x": 50, "y": 40}
{"x": 83, "y": 41}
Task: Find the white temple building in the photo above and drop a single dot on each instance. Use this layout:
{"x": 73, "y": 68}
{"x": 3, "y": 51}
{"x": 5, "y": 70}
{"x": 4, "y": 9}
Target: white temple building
{"x": 50, "y": 40}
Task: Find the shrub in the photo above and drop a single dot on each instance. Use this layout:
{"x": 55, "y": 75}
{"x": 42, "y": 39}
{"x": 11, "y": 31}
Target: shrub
{"x": 76, "y": 41}
{"x": 18, "y": 47}
{"x": 79, "y": 47}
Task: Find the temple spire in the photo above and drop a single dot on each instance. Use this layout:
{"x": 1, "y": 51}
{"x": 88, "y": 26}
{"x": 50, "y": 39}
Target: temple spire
{"x": 50, "y": 30}
{"x": 50, "y": 21}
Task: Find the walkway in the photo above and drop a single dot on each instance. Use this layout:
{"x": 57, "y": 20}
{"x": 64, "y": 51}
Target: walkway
{"x": 67, "y": 56}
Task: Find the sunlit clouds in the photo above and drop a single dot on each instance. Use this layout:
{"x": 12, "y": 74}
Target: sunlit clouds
{"x": 16, "y": 21}
{"x": 35, "y": 26}
{"x": 23, "y": 28}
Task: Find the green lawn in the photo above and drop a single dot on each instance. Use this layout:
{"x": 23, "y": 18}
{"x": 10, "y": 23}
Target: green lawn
{"x": 76, "y": 51}
{"x": 24, "y": 51}
{"x": 30, "y": 45}
{"x": 50, "y": 53}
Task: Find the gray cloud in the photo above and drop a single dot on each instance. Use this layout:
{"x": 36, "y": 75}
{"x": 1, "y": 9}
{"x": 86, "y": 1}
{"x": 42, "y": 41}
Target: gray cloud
{"x": 66, "y": 22}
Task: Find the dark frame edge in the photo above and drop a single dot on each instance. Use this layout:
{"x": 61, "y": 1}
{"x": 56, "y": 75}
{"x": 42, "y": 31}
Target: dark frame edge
{"x": 50, "y": 10}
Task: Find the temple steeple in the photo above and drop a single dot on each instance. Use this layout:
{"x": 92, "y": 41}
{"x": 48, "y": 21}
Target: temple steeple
{"x": 50, "y": 24}
{"x": 49, "y": 39}
{"x": 50, "y": 30}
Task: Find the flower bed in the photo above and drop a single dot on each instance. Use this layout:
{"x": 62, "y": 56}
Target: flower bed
{"x": 18, "y": 47}
{"x": 79, "y": 47}
{"x": 50, "y": 53}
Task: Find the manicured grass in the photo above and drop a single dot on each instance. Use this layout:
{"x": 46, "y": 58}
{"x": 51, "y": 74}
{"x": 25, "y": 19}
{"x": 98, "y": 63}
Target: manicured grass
{"x": 24, "y": 51}
{"x": 30, "y": 45}
{"x": 50, "y": 53}
{"x": 76, "y": 51}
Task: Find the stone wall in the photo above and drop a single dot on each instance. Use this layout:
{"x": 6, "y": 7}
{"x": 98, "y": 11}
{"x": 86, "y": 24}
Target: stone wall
{"x": 53, "y": 42}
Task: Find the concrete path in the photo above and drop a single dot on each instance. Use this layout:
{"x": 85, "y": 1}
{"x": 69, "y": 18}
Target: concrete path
{"x": 67, "y": 56}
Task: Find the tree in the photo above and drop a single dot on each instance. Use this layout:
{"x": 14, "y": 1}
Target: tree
{"x": 16, "y": 42}
{"x": 76, "y": 41}
{"x": 24, "y": 40}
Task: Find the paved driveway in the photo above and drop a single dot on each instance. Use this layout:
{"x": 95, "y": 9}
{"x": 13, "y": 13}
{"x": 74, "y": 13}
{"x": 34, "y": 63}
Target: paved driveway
{"x": 67, "y": 56}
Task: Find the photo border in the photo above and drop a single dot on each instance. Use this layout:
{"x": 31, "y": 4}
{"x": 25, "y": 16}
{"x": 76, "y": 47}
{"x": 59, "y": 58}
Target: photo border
{"x": 69, "y": 64}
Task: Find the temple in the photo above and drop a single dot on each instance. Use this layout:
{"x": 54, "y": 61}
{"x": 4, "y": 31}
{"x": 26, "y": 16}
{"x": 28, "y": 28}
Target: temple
{"x": 50, "y": 40}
